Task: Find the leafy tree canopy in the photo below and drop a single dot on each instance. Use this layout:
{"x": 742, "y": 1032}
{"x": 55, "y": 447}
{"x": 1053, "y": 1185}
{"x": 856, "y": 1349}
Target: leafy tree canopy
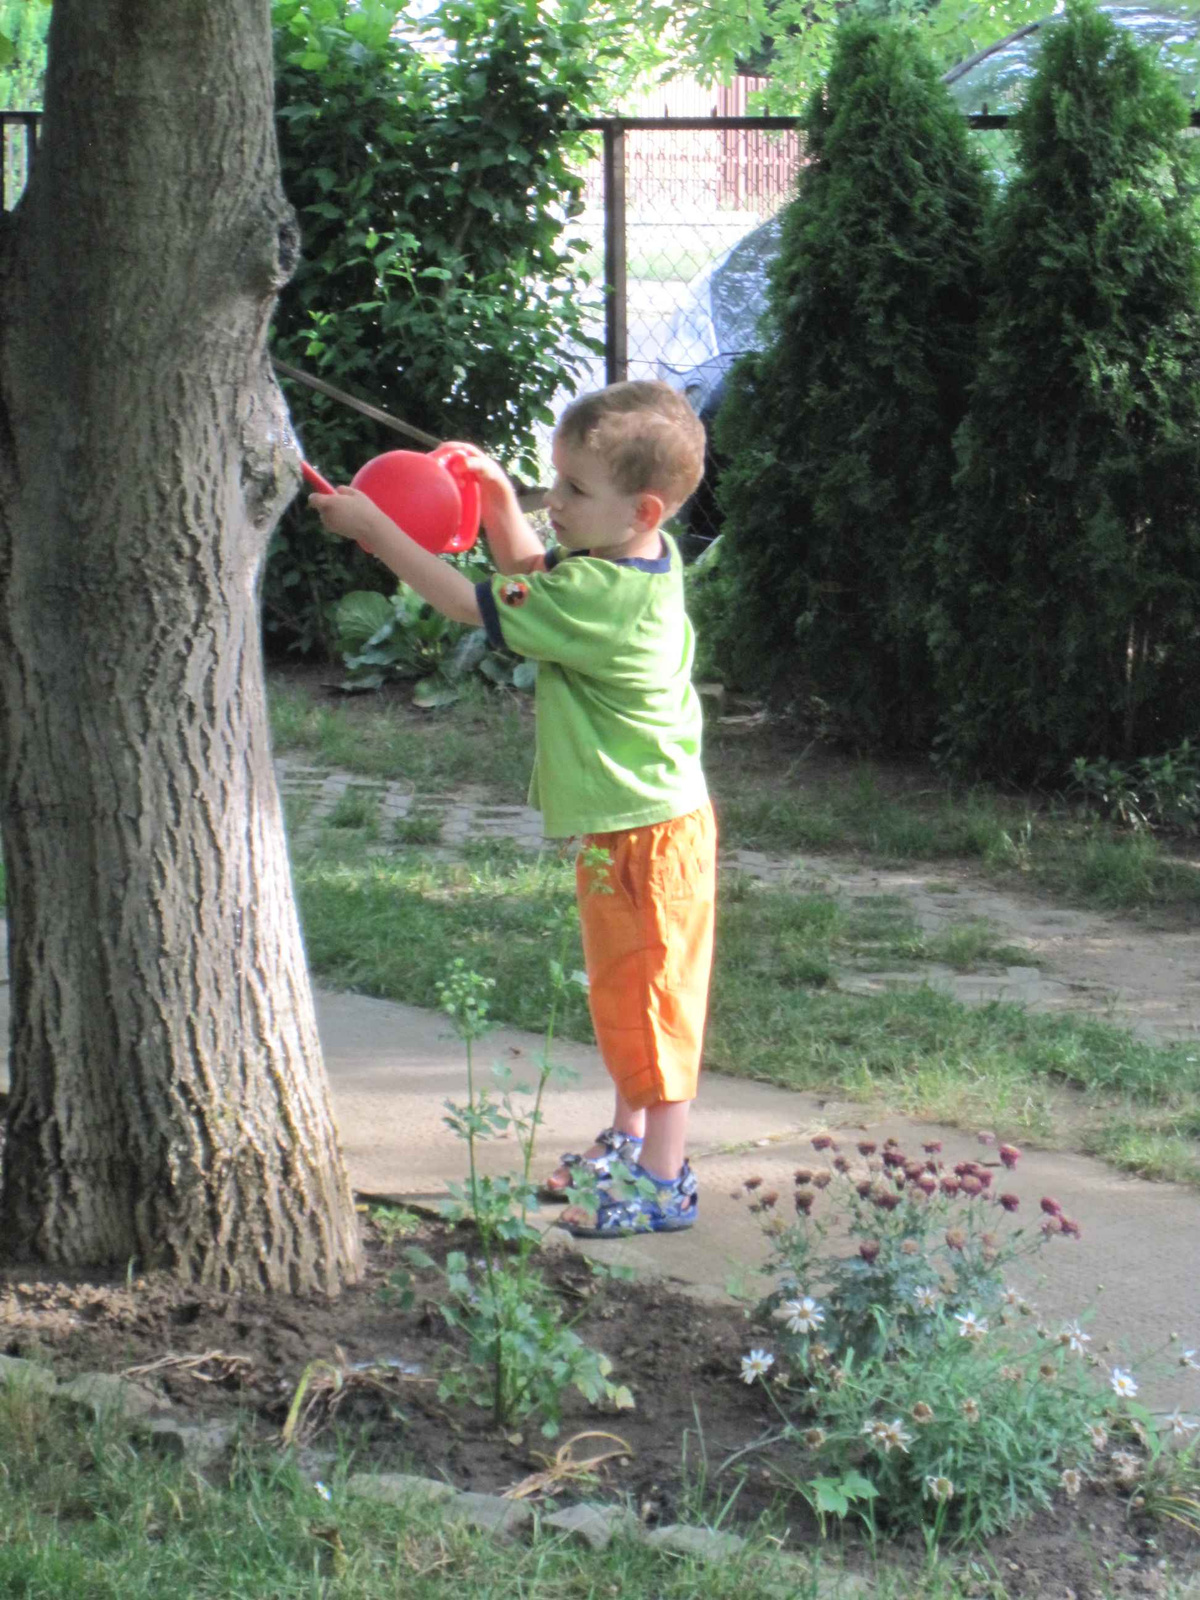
{"x": 792, "y": 41}
{"x": 23, "y": 26}
{"x": 789, "y": 40}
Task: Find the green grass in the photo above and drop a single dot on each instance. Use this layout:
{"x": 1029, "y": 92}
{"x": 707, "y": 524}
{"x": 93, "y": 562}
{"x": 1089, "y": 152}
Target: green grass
{"x": 389, "y": 927}
{"x": 93, "y": 1515}
{"x": 896, "y": 816}
{"x": 484, "y": 739}
{"x": 90, "y": 1512}
{"x": 971, "y": 944}
{"x": 356, "y": 807}
{"x": 419, "y": 828}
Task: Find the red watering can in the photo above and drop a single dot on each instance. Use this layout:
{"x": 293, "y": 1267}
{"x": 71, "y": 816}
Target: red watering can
{"x": 432, "y": 497}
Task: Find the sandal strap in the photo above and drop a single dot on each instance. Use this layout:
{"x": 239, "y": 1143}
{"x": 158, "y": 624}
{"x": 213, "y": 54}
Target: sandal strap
{"x": 613, "y": 1140}
{"x": 673, "y": 1208}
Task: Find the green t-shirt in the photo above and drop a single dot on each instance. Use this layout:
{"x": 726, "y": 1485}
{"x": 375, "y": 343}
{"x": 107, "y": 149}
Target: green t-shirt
{"x": 618, "y": 721}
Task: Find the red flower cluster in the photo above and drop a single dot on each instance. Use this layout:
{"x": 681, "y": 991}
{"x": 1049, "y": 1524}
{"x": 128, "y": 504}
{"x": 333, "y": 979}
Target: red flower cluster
{"x": 904, "y": 1177}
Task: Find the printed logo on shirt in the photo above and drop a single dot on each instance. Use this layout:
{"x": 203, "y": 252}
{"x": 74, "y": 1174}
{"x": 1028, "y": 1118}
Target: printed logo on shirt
{"x": 514, "y": 594}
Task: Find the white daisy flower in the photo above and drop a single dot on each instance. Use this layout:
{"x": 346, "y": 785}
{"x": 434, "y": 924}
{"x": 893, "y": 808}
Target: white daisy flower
{"x": 803, "y": 1315}
{"x": 1189, "y": 1358}
{"x": 939, "y": 1488}
{"x": 926, "y": 1299}
{"x": 887, "y": 1436}
{"x": 1123, "y": 1384}
{"x": 756, "y": 1365}
{"x": 1013, "y": 1298}
{"x": 970, "y": 1326}
{"x": 1180, "y": 1425}
{"x": 1074, "y": 1338}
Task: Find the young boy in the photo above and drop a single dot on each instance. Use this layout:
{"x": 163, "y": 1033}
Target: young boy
{"x": 617, "y": 759}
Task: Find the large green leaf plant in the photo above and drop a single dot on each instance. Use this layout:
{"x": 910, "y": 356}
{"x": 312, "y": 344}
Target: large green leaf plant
{"x": 440, "y": 276}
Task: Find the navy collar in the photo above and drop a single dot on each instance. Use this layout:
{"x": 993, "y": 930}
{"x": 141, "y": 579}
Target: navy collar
{"x": 660, "y": 563}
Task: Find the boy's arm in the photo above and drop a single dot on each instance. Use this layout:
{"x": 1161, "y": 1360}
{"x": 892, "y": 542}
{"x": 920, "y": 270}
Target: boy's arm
{"x": 510, "y": 538}
{"x": 350, "y": 514}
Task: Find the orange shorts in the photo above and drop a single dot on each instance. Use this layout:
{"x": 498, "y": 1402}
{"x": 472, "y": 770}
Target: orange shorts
{"x": 647, "y": 946}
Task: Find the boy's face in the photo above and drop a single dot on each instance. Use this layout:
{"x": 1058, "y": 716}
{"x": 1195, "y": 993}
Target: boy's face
{"x": 587, "y": 510}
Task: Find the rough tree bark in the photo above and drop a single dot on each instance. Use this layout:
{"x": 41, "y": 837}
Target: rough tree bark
{"x": 168, "y": 1099}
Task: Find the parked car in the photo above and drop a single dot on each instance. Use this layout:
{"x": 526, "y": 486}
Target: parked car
{"x": 716, "y": 322}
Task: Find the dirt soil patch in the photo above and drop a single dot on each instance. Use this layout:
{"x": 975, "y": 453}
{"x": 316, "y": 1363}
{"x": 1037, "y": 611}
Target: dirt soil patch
{"x": 239, "y": 1358}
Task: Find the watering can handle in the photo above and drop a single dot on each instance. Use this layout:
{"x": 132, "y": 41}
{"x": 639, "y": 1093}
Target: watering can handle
{"x": 454, "y": 458}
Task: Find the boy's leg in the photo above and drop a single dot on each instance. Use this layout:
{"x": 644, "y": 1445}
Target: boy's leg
{"x": 648, "y": 947}
{"x": 666, "y": 1138}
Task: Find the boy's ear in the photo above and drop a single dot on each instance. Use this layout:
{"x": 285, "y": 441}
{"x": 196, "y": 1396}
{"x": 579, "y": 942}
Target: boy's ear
{"x": 648, "y": 512}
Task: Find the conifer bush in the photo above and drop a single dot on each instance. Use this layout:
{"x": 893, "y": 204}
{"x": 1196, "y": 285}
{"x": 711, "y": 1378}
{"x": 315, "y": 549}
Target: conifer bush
{"x": 839, "y": 432}
{"x": 1069, "y": 607}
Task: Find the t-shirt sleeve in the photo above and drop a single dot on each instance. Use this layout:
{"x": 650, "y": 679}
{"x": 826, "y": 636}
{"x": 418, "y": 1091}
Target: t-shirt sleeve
{"x": 565, "y": 615}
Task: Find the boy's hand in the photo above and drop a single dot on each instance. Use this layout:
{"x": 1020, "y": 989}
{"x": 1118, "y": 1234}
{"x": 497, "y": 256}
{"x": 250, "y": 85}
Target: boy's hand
{"x": 495, "y": 487}
{"x": 346, "y": 512}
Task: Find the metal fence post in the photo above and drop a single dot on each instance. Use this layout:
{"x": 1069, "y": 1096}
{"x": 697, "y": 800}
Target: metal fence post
{"x": 616, "y": 299}
{"x": 14, "y": 168}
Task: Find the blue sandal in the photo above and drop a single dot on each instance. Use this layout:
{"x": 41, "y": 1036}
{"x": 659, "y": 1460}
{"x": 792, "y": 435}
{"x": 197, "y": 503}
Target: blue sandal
{"x": 672, "y": 1209}
{"x": 625, "y": 1147}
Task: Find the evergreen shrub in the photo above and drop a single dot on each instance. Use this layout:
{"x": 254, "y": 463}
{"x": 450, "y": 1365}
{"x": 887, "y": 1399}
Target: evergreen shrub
{"x": 839, "y": 432}
{"x": 1068, "y": 620}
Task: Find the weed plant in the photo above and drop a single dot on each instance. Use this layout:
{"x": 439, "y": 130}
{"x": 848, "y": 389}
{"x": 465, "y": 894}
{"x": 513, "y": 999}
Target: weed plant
{"x": 918, "y": 1387}
{"x": 522, "y": 1354}
{"x": 1156, "y": 792}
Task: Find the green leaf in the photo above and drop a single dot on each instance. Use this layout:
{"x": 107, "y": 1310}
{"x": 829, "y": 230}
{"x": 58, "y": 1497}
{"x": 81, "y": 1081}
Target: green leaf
{"x": 525, "y": 675}
{"x": 495, "y": 668}
{"x": 359, "y": 618}
{"x": 857, "y": 1487}
{"x": 467, "y": 653}
{"x": 7, "y": 50}
{"x": 433, "y": 692}
{"x": 828, "y": 1496}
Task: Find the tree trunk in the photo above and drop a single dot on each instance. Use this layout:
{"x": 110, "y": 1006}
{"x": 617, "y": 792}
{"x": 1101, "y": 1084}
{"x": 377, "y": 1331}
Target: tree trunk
{"x": 168, "y": 1103}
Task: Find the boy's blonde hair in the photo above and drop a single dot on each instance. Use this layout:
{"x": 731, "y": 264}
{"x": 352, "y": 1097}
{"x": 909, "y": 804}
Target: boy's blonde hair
{"x": 645, "y": 433}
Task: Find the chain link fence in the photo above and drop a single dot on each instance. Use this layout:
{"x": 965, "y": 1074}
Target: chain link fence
{"x": 682, "y": 236}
